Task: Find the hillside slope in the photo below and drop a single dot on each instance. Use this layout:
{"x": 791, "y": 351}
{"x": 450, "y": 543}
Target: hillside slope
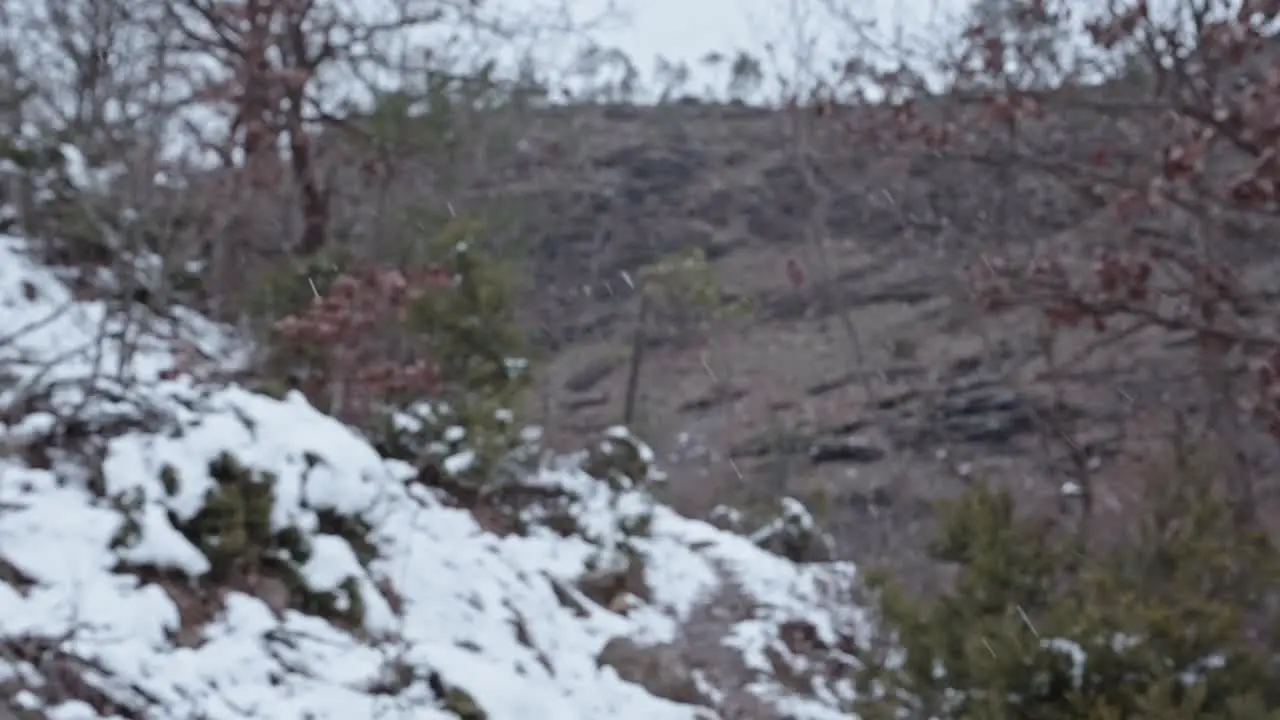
{"x": 868, "y": 377}
{"x": 172, "y": 547}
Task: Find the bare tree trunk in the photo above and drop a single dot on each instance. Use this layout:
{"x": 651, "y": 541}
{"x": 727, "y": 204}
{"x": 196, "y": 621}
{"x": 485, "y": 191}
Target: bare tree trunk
{"x": 637, "y": 360}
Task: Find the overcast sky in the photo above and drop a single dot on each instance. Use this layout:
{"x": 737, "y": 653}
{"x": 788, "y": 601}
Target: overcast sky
{"x": 691, "y": 28}
{"x": 687, "y": 30}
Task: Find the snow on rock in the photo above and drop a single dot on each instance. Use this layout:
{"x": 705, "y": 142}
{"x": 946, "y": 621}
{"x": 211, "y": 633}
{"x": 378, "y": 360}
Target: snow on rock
{"x": 393, "y": 600}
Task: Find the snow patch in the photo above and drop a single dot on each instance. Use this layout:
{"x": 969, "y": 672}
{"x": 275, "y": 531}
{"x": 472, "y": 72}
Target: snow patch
{"x": 471, "y": 610}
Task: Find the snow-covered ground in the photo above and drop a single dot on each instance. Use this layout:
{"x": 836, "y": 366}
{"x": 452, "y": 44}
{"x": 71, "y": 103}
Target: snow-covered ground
{"x": 446, "y": 604}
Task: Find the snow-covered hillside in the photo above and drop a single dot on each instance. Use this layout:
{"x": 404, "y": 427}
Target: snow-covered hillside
{"x": 336, "y": 584}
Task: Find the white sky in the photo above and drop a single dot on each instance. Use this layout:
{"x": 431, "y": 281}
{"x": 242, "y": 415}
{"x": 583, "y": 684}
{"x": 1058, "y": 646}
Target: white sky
{"x": 690, "y": 28}
{"x": 687, "y": 30}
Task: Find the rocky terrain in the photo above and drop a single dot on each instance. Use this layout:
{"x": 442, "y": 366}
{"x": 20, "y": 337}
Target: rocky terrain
{"x": 874, "y": 383}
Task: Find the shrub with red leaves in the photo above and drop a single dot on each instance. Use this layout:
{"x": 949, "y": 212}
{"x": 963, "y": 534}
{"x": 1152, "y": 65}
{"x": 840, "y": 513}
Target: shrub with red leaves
{"x": 341, "y": 331}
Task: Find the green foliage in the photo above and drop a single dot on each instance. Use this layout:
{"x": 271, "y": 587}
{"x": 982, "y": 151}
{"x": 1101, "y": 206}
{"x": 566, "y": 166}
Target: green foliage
{"x": 685, "y": 280}
{"x": 233, "y": 529}
{"x": 1172, "y": 623}
{"x": 289, "y": 288}
{"x": 466, "y": 329}
{"x": 470, "y": 330}
{"x": 471, "y": 325}
{"x": 463, "y": 325}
